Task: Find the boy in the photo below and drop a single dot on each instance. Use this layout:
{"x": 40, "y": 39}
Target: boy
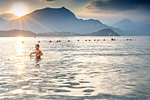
{"x": 38, "y": 52}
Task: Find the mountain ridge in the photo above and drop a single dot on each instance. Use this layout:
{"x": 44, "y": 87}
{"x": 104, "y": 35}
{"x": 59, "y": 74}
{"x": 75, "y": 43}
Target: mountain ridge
{"x": 126, "y": 25}
{"x": 104, "y": 32}
{"x": 56, "y": 19}
{"x": 25, "y": 33}
{"x": 16, "y": 33}
{"x": 134, "y": 28}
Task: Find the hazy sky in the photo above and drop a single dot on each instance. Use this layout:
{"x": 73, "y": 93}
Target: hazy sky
{"x": 107, "y": 11}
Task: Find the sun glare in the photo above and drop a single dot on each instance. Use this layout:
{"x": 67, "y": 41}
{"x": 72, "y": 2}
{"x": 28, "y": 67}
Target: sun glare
{"x": 19, "y": 10}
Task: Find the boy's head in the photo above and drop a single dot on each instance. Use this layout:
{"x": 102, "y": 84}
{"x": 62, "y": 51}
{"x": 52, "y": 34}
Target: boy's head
{"x": 37, "y": 46}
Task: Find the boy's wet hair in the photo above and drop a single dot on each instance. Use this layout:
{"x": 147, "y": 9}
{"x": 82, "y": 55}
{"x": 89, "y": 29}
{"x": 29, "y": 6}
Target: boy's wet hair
{"x": 37, "y": 45}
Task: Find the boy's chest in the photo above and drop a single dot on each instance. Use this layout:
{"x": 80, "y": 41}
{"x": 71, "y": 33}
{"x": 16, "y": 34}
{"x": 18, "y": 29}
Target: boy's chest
{"x": 37, "y": 51}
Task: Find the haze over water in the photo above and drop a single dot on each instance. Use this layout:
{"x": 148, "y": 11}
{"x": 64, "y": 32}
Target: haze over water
{"x": 107, "y": 70}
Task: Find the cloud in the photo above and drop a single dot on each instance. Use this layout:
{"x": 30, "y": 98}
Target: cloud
{"x": 120, "y": 5}
{"x": 8, "y": 16}
{"x": 110, "y": 11}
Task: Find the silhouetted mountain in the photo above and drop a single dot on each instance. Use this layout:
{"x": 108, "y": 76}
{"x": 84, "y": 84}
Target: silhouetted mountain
{"x": 126, "y": 25}
{"x": 24, "y": 33}
{"x": 132, "y": 28}
{"x": 104, "y": 32}
{"x": 144, "y": 22}
{"x": 16, "y": 33}
{"x": 56, "y": 19}
{"x": 143, "y": 30}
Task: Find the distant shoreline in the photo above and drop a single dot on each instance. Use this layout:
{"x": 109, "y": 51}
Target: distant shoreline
{"x": 25, "y": 33}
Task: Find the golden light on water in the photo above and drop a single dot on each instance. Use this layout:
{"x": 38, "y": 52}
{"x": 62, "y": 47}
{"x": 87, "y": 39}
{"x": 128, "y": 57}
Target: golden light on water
{"x": 18, "y": 91}
{"x": 20, "y": 65}
{"x": 19, "y": 47}
{"x": 19, "y": 10}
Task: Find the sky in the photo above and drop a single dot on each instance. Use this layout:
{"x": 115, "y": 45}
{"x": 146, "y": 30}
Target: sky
{"x": 107, "y": 11}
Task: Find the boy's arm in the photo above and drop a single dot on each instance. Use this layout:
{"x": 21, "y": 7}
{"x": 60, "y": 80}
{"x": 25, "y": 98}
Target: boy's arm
{"x": 41, "y": 53}
{"x": 32, "y": 53}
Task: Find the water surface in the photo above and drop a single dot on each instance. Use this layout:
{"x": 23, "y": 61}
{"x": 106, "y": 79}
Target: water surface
{"x": 104, "y": 70}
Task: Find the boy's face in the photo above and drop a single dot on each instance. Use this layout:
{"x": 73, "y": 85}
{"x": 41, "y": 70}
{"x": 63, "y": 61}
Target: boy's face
{"x": 36, "y": 47}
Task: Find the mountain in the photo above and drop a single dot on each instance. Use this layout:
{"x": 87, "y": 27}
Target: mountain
{"x": 104, "y": 32}
{"x": 56, "y": 19}
{"x": 144, "y": 22}
{"x": 134, "y": 28}
{"x": 143, "y": 30}
{"x": 126, "y": 25}
{"x": 24, "y": 33}
{"x": 16, "y": 33}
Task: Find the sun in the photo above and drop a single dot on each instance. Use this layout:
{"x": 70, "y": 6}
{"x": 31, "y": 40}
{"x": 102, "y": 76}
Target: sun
{"x": 19, "y": 10}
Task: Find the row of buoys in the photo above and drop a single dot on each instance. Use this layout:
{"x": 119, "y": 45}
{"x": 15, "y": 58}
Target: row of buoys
{"x": 58, "y": 40}
{"x": 112, "y": 39}
{"x": 129, "y": 39}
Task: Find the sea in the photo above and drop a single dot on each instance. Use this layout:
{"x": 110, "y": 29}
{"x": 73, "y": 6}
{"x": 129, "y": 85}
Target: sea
{"x": 75, "y": 68}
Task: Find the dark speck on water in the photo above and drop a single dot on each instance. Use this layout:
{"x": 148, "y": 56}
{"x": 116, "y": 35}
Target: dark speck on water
{"x": 88, "y": 90}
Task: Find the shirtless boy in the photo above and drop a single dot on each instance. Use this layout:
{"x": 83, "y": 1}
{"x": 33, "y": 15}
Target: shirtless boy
{"x": 38, "y": 52}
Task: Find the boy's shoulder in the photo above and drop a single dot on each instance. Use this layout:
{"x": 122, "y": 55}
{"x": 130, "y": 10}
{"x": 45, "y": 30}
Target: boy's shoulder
{"x": 40, "y": 50}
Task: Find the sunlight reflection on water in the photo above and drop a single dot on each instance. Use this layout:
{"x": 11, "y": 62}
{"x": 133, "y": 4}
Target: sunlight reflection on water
{"x": 75, "y": 70}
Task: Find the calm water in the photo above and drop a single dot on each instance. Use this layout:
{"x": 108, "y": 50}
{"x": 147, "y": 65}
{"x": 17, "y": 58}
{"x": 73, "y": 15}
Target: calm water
{"x": 107, "y": 70}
